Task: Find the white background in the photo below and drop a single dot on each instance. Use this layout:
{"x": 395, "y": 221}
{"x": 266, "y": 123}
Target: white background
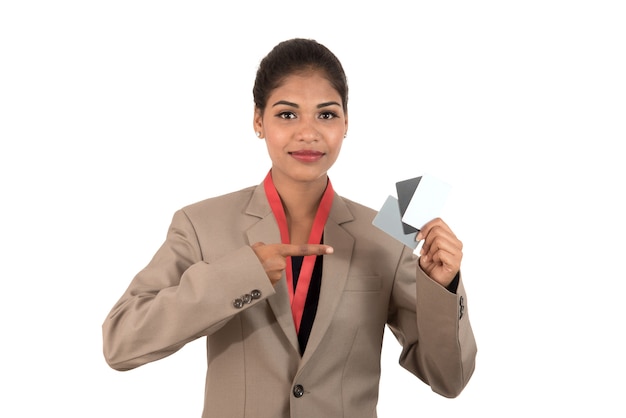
{"x": 115, "y": 114}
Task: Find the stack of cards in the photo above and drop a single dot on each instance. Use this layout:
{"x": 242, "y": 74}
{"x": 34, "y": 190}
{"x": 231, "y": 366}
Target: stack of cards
{"x": 419, "y": 201}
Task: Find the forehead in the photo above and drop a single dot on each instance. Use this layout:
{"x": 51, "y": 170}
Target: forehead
{"x": 307, "y": 85}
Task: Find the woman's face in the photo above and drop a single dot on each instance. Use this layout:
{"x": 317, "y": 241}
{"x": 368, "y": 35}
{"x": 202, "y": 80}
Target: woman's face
{"x": 303, "y": 125}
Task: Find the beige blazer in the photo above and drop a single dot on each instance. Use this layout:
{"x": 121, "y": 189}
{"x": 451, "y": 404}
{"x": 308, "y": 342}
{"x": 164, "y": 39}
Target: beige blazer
{"x": 194, "y": 285}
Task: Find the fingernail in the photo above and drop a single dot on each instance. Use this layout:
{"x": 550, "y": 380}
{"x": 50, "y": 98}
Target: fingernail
{"x": 330, "y": 250}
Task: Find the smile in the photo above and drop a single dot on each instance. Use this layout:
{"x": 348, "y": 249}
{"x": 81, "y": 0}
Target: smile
{"x": 307, "y": 156}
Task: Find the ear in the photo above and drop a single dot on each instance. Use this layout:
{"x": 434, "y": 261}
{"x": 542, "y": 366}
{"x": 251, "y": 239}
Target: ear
{"x": 257, "y": 122}
{"x": 345, "y": 132}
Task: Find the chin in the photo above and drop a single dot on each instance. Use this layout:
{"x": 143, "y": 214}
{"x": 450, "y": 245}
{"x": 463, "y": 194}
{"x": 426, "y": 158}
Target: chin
{"x": 308, "y": 176}
{"x": 302, "y": 173}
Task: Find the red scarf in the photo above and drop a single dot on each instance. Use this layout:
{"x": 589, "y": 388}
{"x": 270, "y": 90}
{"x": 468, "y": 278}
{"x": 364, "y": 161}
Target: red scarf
{"x": 298, "y": 298}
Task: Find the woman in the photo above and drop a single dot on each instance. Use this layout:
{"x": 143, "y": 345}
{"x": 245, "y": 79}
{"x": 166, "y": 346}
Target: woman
{"x": 291, "y": 284}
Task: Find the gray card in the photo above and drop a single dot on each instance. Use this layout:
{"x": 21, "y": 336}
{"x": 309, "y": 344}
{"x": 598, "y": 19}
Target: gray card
{"x": 389, "y": 219}
{"x": 406, "y": 189}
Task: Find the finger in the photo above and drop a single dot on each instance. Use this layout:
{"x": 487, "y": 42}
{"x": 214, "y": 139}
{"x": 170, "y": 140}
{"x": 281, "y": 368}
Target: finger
{"x": 304, "y": 249}
{"x": 441, "y": 241}
{"x": 443, "y": 250}
{"x": 429, "y": 240}
{"x": 442, "y": 234}
{"x": 448, "y": 261}
{"x": 275, "y": 263}
{"x": 425, "y": 230}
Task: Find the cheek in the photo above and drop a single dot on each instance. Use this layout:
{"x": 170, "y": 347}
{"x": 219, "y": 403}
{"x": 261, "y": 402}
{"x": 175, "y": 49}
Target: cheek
{"x": 336, "y": 146}
{"x": 274, "y": 140}
{"x": 271, "y": 149}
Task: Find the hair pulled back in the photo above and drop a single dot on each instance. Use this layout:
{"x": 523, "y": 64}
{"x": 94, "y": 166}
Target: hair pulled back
{"x": 296, "y": 56}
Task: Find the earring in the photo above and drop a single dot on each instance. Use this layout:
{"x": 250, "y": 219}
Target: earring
{"x": 258, "y": 134}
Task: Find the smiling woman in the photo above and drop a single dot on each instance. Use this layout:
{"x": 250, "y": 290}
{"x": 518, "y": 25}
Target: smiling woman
{"x": 303, "y": 128}
{"x": 291, "y": 284}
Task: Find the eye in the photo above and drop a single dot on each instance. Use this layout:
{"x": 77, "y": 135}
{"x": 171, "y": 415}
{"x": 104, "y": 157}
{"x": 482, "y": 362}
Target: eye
{"x": 286, "y": 115}
{"x": 328, "y": 115}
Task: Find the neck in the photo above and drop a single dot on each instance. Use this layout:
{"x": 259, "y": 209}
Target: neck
{"x": 300, "y": 199}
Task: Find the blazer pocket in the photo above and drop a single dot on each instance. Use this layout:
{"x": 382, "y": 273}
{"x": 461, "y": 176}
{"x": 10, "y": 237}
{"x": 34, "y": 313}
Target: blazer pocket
{"x": 364, "y": 284}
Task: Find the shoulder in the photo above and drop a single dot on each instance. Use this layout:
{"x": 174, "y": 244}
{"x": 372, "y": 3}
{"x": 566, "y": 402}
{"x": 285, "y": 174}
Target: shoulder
{"x": 358, "y": 210}
{"x": 361, "y": 225}
{"x": 222, "y": 205}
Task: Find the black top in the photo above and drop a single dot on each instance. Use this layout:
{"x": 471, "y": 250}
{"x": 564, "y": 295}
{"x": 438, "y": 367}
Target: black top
{"x": 312, "y": 298}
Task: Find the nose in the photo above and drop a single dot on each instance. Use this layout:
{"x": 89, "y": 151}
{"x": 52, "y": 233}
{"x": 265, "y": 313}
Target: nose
{"x": 308, "y": 132}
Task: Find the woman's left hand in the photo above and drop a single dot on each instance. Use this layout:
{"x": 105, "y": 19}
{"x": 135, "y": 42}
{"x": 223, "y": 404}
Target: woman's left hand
{"x": 441, "y": 253}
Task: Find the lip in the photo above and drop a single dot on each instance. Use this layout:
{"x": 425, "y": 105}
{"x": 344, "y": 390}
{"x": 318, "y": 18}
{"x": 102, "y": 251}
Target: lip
{"x": 307, "y": 156}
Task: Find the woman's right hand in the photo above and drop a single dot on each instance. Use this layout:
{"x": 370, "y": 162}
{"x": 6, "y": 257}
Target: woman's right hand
{"x": 273, "y": 257}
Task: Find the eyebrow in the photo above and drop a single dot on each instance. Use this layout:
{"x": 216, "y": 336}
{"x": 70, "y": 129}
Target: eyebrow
{"x": 319, "y": 106}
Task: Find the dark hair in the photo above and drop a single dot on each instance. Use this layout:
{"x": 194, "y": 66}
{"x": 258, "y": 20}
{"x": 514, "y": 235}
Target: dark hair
{"x": 294, "y": 56}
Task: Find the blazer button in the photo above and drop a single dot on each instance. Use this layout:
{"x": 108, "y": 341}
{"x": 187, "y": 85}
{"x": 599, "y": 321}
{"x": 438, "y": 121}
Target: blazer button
{"x": 256, "y": 294}
{"x": 238, "y": 303}
{"x": 461, "y": 307}
{"x": 298, "y": 391}
{"x": 247, "y": 298}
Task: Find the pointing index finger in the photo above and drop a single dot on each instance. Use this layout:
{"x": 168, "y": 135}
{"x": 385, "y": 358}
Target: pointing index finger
{"x": 305, "y": 249}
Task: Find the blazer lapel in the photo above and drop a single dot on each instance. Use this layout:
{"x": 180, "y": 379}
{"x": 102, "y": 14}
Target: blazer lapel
{"x": 266, "y": 230}
{"x": 334, "y": 273}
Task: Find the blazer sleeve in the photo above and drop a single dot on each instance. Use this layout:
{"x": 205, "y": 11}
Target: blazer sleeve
{"x": 433, "y": 326}
{"x": 178, "y": 297}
